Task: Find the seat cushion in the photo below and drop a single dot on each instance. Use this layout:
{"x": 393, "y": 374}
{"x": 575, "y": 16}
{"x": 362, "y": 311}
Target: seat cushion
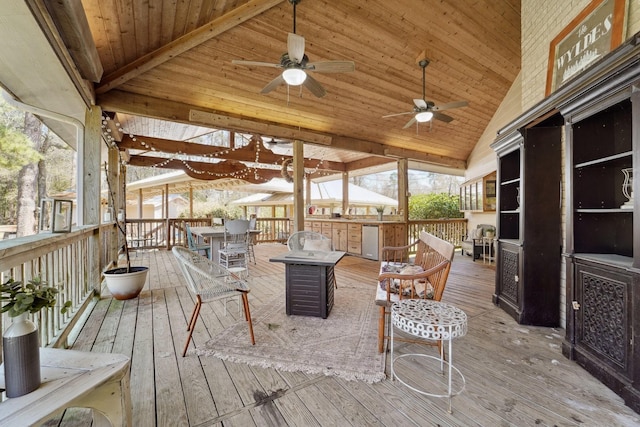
{"x": 317, "y": 245}
{"x": 397, "y": 285}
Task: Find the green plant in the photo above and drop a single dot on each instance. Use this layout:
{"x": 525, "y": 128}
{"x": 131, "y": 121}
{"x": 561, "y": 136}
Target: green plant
{"x": 434, "y": 206}
{"x": 31, "y": 297}
{"x": 379, "y": 209}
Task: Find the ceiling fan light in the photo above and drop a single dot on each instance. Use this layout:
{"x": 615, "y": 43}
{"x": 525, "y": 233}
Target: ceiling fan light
{"x": 424, "y": 116}
{"x": 294, "y": 76}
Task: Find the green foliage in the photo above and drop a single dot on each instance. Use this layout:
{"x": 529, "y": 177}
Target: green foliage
{"x": 434, "y": 206}
{"x": 32, "y": 297}
{"x": 15, "y": 150}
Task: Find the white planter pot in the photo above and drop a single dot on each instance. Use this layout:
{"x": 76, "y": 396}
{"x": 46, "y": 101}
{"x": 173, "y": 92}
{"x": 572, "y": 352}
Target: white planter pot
{"x": 123, "y": 285}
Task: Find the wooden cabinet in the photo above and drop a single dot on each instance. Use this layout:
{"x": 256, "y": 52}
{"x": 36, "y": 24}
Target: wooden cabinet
{"x": 340, "y": 236}
{"x": 599, "y": 110}
{"x": 354, "y": 240}
{"x": 393, "y": 235}
{"x": 603, "y": 246}
{"x": 528, "y": 223}
{"x": 479, "y": 195}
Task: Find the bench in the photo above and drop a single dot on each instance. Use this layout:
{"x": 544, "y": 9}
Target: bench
{"x": 402, "y": 276}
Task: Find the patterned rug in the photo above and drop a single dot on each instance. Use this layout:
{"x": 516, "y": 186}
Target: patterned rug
{"x": 345, "y": 344}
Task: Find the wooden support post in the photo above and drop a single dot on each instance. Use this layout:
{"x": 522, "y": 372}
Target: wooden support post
{"x": 403, "y": 189}
{"x": 345, "y": 193}
{"x": 298, "y": 175}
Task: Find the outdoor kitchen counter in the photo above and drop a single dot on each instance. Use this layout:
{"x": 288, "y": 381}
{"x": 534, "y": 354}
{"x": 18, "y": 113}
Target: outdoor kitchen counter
{"x": 361, "y": 237}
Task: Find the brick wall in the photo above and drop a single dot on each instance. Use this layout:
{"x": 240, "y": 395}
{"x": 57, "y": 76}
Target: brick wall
{"x": 541, "y": 21}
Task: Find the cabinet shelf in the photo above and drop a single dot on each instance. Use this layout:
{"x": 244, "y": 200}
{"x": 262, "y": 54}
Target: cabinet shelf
{"x": 604, "y": 211}
{"x": 511, "y": 181}
{"x": 627, "y": 154}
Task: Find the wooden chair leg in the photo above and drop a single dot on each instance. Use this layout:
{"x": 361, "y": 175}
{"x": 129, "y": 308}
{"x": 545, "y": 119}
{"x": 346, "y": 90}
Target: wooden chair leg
{"x": 192, "y": 323}
{"x": 381, "y": 330}
{"x": 247, "y": 316}
{"x": 194, "y": 313}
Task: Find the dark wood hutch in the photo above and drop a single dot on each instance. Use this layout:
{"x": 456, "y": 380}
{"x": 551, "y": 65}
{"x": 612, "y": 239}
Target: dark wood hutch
{"x": 600, "y": 135}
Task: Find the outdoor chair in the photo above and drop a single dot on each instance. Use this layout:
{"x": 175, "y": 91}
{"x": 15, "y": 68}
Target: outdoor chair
{"x": 208, "y": 281}
{"x": 234, "y": 253}
{"x": 309, "y": 241}
{"x": 196, "y": 247}
{"x": 252, "y": 240}
{"x": 424, "y": 276}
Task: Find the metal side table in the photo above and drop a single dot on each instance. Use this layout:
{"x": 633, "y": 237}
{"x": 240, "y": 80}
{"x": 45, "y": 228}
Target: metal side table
{"x": 431, "y": 320}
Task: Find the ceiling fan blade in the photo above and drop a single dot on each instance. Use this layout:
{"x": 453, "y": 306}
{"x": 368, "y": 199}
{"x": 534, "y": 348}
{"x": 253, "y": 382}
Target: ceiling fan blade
{"x": 332, "y": 66}
{"x": 398, "y": 114}
{"x": 409, "y": 123}
{"x": 442, "y": 117}
{"x": 255, "y": 63}
{"x": 272, "y": 84}
{"x": 314, "y": 86}
{"x": 420, "y": 103}
{"x": 295, "y": 47}
{"x": 450, "y": 105}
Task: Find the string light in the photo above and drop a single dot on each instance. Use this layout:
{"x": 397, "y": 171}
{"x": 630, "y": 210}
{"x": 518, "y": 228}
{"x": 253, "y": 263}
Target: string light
{"x": 239, "y": 174}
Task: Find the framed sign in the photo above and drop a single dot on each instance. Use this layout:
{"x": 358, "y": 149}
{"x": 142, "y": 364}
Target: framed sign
{"x": 596, "y": 31}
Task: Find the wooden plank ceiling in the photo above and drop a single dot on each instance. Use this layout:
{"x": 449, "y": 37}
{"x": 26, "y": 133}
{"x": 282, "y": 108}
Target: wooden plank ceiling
{"x": 172, "y": 61}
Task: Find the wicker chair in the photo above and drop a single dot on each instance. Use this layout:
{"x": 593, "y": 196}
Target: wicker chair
{"x": 209, "y": 281}
{"x": 310, "y": 241}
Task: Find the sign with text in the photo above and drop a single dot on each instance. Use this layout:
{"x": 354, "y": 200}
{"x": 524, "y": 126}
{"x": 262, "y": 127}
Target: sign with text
{"x": 597, "y": 30}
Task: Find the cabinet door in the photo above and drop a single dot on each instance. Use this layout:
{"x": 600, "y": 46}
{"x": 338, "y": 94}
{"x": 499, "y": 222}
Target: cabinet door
{"x": 339, "y": 236}
{"x": 508, "y": 283}
{"x": 603, "y": 322}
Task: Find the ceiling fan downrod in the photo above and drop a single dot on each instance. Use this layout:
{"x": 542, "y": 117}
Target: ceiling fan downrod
{"x": 423, "y": 63}
{"x": 294, "y": 3}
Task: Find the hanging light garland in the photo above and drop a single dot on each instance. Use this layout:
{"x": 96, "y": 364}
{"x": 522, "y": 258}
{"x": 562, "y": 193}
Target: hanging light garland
{"x": 240, "y": 174}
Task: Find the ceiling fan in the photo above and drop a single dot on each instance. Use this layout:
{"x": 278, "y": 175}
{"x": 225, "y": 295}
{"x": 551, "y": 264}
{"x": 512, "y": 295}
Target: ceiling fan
{"x": 296, "y": 64}
{"x": 271, "y": 143}
{"x": 425, "y": 110}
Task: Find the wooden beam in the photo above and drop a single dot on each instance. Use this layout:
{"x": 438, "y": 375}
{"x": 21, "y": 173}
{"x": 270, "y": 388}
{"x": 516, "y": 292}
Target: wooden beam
{"x": 74, "y": 29}
{"x": 221, "y": 121}
{"x": 188, "y": 41}
{"x": 246, "y": 153}
{"x": 208, "y": 171}
{"x": 178, "y": 112}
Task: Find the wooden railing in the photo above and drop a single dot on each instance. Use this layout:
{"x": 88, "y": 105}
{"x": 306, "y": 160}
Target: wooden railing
{"x": 162, "y": 233}
{"x": 67, "y": 261}
{"x": 451, "y": 230}
{"x": 273, "y": 230}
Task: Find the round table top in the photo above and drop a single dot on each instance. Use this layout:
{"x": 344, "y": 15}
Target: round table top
{"x": 429, "y": 319}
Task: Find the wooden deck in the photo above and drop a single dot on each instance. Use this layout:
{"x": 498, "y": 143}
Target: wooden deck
{"x": 516, "y": 375}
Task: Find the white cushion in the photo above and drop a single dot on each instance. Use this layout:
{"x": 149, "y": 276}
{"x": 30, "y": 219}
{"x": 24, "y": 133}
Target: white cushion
{"x": 317, "y": 245}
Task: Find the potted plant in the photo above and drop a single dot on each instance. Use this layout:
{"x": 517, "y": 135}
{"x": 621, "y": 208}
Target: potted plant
{"x": 380, "y": 210}
{"x": 20, "y": 346}
{"x": 124, "y": 282}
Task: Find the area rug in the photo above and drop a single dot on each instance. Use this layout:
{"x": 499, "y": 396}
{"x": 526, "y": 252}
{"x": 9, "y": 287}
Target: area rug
{"x": 345, "y": 344}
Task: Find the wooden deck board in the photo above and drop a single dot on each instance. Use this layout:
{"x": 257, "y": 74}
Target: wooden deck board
{"x": 516, "y": 375}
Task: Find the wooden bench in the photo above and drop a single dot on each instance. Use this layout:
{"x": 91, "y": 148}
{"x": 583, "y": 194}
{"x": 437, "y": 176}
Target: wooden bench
{"x": 424, "y": 276}
{"x": 74, "y": 379}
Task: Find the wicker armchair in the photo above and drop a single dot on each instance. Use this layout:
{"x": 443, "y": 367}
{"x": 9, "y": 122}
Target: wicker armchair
{"x": 209, "y": 281}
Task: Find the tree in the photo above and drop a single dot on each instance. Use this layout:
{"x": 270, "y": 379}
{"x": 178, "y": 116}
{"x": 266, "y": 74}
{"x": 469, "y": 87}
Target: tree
{"x": 15, "y": 149}
{"x": 434, "y": 206}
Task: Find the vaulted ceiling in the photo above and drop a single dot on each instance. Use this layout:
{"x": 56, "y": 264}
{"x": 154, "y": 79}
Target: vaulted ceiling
{"x": 172, "y": 61}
